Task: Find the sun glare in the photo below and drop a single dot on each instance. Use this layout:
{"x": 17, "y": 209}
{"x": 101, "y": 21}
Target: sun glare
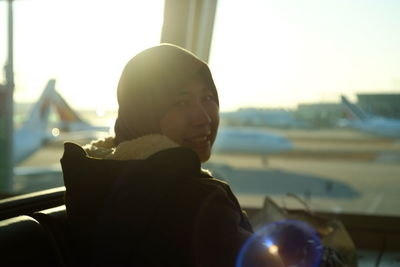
{"x": 83, "y": 45}
{"x": 100, "y": 112}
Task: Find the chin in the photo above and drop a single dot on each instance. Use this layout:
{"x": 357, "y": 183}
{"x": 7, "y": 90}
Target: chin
{"x": 203, "y": 156}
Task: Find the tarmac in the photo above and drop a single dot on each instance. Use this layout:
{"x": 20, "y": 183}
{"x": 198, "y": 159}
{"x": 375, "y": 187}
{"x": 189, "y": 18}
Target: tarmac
{"x": 332, "y": 170}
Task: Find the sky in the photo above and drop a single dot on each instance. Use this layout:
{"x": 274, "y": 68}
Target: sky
{"x": 82, "y": 44}
{"x": 280, "y": 53}
{"x": 265, "y": 53}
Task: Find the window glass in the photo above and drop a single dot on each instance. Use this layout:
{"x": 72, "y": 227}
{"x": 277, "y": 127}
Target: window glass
{"x": 82, "y": 46}
{"x": 318, "y": 83}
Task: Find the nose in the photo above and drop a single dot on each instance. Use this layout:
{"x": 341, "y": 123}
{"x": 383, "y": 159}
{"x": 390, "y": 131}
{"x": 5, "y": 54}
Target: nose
{"x": 199, "y": 115}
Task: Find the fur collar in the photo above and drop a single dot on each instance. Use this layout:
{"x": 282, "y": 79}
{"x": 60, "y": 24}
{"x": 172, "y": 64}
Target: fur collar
{"x": 139, "y": 148}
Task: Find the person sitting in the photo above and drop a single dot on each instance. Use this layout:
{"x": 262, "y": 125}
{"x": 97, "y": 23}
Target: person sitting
{"x": 141, "y": 197}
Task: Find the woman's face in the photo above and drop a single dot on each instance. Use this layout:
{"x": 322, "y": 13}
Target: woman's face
{"x": 192, "y": 121}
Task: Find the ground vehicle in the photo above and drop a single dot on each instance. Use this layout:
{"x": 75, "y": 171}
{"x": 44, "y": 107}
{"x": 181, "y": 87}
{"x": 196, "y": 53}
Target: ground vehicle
{"x": 382, "y": 228}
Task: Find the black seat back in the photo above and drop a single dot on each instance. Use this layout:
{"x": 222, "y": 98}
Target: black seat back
{"x": 23, "y": 240}
{"x": 54, "y": 220}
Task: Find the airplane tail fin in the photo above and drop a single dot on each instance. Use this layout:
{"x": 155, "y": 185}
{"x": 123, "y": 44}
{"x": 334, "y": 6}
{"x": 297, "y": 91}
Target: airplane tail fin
{"x": 64, "y": 111}
{"x": 50, "y": 98}
{"x": 39, "y": 115}
{"x": 33, "y": 133}
{"x": 353, "y": 112}
{"x": 35, "y": 130}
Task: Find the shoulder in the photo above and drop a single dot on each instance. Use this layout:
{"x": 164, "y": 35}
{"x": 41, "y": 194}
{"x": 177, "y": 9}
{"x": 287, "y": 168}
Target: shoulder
{"x": 203, "y": 185}
{"x": 204, "y": 197}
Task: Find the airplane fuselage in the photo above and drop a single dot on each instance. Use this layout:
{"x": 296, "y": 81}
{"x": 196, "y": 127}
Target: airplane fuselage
{"x": 244, "y": 140}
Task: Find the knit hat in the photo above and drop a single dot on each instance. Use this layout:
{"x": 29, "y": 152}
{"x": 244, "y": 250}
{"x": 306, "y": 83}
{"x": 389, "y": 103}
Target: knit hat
{"x": 147, "y": 87}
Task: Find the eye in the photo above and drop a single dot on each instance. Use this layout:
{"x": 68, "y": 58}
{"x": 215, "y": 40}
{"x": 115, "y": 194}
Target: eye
{"x": 181, "y": 103}
{"x": 208, "y": 98}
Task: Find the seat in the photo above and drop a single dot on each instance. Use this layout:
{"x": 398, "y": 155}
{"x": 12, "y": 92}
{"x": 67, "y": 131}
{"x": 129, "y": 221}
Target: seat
{"x": 54, "y": 221}
{"x": 23, "y": 240}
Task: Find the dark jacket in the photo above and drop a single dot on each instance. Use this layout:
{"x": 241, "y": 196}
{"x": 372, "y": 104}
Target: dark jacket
{"x": 161, "y": 211}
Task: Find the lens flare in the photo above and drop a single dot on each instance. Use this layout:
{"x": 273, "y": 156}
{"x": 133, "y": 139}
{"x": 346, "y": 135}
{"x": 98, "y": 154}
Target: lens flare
{"x": 273, "y": 249}
{"x": 55, "y": 132}
{"x": 282, "y": 243}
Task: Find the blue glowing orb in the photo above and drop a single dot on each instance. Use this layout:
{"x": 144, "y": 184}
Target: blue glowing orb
{"x": 282, "y": 243}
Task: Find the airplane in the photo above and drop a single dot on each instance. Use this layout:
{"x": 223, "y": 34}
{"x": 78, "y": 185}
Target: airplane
{"x": 34, "y": 132}
{"x": 250, "y": 141}
{"x": 376, "y": 125}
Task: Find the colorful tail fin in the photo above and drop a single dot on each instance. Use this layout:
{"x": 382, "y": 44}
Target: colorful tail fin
{"x": 64, "y": 111}
{"x": 40, "y": 111}
{"x": 33, "y": 132}
{"x": 353, "y": 112}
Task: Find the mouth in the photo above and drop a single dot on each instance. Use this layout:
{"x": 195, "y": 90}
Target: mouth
{"x": 199, "y": 141}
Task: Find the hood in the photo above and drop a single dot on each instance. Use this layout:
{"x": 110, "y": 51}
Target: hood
{"x": 139, "y": 148}
{"x": 148, "y": 87}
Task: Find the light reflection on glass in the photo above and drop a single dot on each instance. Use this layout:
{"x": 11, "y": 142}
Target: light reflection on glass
{"x": 282, "y": 243}
{"x": 55, "y": 132}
